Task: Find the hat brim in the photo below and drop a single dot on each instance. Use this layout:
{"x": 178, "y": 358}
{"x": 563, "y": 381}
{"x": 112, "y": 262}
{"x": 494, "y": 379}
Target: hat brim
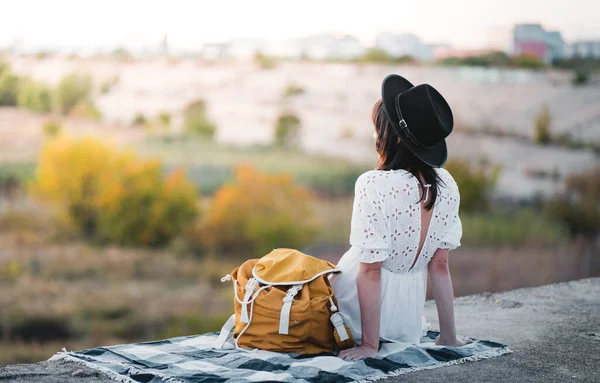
{"x": 392, "y": 86}
{"x": 435, "y": 156}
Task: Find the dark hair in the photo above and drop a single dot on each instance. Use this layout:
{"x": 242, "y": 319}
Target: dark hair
{"x": 394, "y": 155}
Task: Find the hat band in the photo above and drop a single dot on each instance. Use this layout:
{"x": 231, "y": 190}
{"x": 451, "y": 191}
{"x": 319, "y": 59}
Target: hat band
{"x": 404, "y": 127}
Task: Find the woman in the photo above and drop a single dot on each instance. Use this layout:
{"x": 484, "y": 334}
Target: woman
{"x": 404, "y": 222}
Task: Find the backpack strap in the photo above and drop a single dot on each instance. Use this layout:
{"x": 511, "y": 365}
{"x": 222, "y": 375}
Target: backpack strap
{"x": 338, "y": 322}
{"x": 284, "y": 317}
{"x": 250, "y": 287}
{"x": 225, "y": 331}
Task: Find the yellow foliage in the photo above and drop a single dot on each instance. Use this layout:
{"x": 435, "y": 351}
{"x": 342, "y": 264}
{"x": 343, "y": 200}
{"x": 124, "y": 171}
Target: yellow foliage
{"x": 113, "y": 196}
{"x": 259, "y": 212}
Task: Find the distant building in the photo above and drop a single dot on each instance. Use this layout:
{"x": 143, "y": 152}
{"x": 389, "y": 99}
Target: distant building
{"x": 529, "y": 39}
{"x": 406, "y": 44}
{"x": 584, "y": 49}
{"x": 556, "y": 47}
{"x": 534, "y": 40}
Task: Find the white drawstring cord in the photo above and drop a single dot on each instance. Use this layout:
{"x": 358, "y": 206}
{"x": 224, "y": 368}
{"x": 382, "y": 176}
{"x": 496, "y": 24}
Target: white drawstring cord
{"x": 333, "y": 306}
{"x": 427, "y": 187}
{"x": 226, "y": 278}
{"x": 251, "y": 301}
{"x": 235, "y": 285}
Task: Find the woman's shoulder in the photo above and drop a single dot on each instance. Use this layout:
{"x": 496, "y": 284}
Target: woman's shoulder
{"x": 447, "y": 178}
{"x": 376, "y": 178}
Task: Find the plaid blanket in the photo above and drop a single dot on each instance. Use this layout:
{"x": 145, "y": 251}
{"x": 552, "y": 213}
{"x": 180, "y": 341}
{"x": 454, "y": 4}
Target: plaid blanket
{"x": 192, "y": 359}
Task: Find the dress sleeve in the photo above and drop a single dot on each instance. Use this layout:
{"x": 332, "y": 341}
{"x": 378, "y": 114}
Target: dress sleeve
{"x": 453, "y": 234}
{"x": 368, "y": 230}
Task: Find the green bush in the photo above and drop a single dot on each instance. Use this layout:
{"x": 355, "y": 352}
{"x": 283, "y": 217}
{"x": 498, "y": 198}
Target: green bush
{"x": 375, "y": 55}
{"x": 9, "y": 88}
{"x": 263, "y": 61}
{"x": 542, "y": 126}
{"x": 87, "y": 110}
{"x": 40, "y": 328}
{"x": 10, "y": 183}
{"x": 43, "y": 55}
{"x": 293, "y": 90}
{"x": 495, "y": 59}
{"x": 196, "y": 122}
{"x": 165, "y": 119}
{"x": 112, "y": 196}
{"x": 35, "y": 96}
{"x": 581, "y": 76}
{"x": 287, "y": 129}
{"x": 52, "y": 129}
{"x": 139, "y": 119}
{"x": 74, "y": 89}
{"x": 528, "y": 62}
{"x": 578, "y": 207}
{"x": 475, "y": 183}
{"x": 122, "y": 54}
{"x": 109, "y": 84}
{"x": 4, "y": 67}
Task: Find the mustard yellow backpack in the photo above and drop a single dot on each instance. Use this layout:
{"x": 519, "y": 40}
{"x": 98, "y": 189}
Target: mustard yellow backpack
{"x": 284, "y": 302}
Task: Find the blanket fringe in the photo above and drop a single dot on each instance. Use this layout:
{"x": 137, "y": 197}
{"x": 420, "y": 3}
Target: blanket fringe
{"x": 71, "y": 356}
{"x": 473, "y": 358}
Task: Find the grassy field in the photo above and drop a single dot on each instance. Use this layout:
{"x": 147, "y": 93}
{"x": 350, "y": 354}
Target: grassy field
{"x": 210, "y": 164}
{"x": 74, "y": 295}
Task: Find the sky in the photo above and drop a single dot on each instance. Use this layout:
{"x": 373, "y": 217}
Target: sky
{"x": 135, "y": 23}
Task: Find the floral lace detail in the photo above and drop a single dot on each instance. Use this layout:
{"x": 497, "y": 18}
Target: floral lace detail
{"x": 386, "y": 219}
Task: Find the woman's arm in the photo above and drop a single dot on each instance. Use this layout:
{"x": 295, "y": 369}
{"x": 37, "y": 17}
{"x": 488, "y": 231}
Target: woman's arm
{"x": 369, "y": 298}
{"x": 441, "y": 285}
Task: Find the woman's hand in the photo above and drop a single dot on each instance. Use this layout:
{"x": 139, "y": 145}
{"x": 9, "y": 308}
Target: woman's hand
{"x": 358, "y": 353}
{"x": 457, "y": 341}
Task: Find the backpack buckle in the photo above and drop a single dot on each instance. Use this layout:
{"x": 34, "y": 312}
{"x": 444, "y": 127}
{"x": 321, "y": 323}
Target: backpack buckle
{"x": 284, "y": 317}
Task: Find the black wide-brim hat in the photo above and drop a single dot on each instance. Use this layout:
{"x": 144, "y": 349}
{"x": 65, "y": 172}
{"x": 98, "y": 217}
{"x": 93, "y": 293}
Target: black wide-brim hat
{"x": 420, "y": 116}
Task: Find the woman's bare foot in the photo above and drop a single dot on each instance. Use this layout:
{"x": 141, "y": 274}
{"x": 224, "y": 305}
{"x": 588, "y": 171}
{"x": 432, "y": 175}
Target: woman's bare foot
{"x": 456, "y": 342}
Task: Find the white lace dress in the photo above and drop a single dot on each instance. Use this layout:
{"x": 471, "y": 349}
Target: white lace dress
{"x": 386, "y": 225}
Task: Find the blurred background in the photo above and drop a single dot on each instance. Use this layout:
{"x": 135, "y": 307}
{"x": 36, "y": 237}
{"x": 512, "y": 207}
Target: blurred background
{"x": 149, "y": 147}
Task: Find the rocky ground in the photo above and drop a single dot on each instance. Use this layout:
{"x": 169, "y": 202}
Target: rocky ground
{"x": 553, "y": 330}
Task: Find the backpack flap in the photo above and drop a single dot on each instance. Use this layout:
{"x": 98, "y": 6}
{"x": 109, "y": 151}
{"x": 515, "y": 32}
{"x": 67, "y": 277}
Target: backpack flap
{"x": 290, "y": 267}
